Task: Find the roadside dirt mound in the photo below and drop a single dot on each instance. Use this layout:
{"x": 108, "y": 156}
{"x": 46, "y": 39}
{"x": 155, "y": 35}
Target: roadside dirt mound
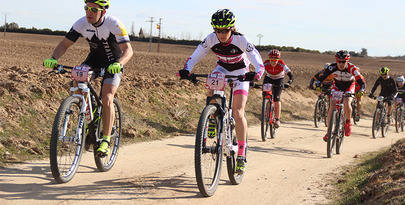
{"x": 387, "y": 184}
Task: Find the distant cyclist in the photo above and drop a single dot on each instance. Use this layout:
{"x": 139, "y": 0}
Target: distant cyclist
{"x": 234, "y": 53}
{"x": 109, "y": 48}
{"x": 401, "y": 87}
{"x": 388, "y": 89}
{"x": 276, "y": 69}
{"x": 345, "y": 75}
{"x": 326, "y": 84}
{"x": 359, "y": 96}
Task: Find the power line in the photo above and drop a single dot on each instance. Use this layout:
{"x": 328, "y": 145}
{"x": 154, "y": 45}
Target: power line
{"x": 150, "y": 34}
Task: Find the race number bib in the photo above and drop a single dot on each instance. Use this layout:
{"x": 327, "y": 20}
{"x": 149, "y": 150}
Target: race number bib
{"x": 80, "y": 73}
{"x": 267, "y": 87}
{"x": 337, "y": 95}
{"x": 216, "y": 81}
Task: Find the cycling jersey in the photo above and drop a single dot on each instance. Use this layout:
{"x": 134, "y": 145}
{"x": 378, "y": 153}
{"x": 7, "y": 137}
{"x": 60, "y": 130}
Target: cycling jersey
{"x": 237, "y": 54}
{"x": 401, "y": 93}
{"x": 277, "y": 71}
{"x": 343, "y": 79}
{"x": 104, "y": 40}
{"x": 388, "y": 87}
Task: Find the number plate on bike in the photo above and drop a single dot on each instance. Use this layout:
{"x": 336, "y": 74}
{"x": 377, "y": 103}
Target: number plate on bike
{"x": 337, "y": 95}
{"x": 267, "y": 87}
{"x": 80, "y": 73}
{"x": 216, "y": 81}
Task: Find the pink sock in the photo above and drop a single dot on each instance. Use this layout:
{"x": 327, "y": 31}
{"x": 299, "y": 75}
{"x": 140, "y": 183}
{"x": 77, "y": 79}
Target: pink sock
{"x": 241, "y": 148}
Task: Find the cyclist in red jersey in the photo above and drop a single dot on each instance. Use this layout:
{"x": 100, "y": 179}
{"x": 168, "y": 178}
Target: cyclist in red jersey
{"x": 275, "y": 71}
{"x": 345, "y": 76}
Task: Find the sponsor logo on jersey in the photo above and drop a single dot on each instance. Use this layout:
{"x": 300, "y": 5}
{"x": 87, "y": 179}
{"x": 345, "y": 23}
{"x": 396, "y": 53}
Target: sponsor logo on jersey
{"x": 250, "y": 47}
{"x": 90, "y": 30}
{"x": 204, "y": 43}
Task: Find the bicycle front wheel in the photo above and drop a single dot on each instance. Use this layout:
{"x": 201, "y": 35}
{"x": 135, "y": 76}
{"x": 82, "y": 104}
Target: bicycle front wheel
{"x": 376, "y": 123}
{"x": 265, "y": 119}
{"x": 272, "y": 119}
{"x": 341, "y": 132}
{"x": 330, "y": 144}
{"x": 354, "y": 112}
{"x": 65, "y": 149}
{"x": 318, "y": 112}
{"x": 106, "y": 163}
{"x": 208, "y": 152}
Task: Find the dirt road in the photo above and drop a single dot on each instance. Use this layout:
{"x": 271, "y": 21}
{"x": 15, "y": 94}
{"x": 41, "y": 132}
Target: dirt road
{"x": 287, "y": 170}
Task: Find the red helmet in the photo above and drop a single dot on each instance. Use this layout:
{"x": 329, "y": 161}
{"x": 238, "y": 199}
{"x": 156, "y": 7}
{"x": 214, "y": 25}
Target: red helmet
{"x": 342, "y": 55}
{"x": 274, "y": 54}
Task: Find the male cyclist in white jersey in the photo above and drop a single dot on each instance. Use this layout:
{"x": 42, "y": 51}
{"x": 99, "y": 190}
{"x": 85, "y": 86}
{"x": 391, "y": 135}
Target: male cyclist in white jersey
{"x": 234, "y": 53}
{"x": 109, "y": 48}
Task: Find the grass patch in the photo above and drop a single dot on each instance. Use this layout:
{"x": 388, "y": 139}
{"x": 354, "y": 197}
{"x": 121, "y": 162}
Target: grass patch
{"x": 354, "y": 181}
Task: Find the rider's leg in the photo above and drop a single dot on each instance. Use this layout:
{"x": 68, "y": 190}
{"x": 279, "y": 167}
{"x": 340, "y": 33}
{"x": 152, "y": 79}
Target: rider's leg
{"x": 238, "y": 109}
{"x": 348, "y": 108}
{"x": 108, "y": 107}
{"x": 359, "y": 105}
{"x": 109, "y": 89}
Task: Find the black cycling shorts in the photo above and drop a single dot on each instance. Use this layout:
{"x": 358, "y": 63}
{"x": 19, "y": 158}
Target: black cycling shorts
{"x": 276, "y": 88}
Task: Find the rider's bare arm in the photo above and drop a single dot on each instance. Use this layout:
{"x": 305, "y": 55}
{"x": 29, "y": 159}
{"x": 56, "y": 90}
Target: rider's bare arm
{"x": 126, "y": 53}
{"x": 61, "y": 48}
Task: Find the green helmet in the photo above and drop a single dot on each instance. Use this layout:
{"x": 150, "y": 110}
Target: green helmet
{"x": 223, "y": 18}
{"x": 384, "y": 70}
{"x": 105, "y": 4}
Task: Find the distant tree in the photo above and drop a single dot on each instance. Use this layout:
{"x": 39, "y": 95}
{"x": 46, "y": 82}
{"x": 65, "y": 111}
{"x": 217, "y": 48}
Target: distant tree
{"x": 12, "y": 26}
{"x": 363, "y": 52}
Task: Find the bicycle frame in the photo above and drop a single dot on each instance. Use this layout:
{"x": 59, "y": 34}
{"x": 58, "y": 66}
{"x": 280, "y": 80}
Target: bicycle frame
{"x": 226, "y": 118}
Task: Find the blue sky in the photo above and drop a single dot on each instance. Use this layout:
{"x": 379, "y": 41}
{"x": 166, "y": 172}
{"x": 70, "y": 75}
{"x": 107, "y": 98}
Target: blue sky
{"x": 323, "y": 25}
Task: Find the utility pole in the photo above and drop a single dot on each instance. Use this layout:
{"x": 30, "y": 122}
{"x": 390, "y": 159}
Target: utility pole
{"x": 132, "y": 30}
{"x": 150, "y": 34}
{"x": 5, "y": 25}
{"x": 159, "y": 26}
{"x": 260, "y": 36}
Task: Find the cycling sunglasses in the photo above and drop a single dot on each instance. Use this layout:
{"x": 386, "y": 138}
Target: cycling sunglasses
{"x": 92, "y": 9}
{"x": 221, "y": 30}
{"x": 274, "y": 59}
{"x": 342, "y": 62}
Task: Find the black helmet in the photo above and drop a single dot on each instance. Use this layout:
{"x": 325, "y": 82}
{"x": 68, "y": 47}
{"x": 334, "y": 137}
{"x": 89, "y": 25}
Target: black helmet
{"x": 342, "y": 55}
{"x": 223, "y": 18}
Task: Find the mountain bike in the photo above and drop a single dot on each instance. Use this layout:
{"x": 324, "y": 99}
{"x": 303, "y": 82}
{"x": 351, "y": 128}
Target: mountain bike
{"x": 380, "y": 119}
{"x": 336, "y": 128}
{"x": 321, "y": 108}
{"x": 78, "y": 125}
{"x": 210, "y": 149}
{"x": 399, "y": 115}
{"x": 267, "y": 116}
{"x": 355, "y": 117}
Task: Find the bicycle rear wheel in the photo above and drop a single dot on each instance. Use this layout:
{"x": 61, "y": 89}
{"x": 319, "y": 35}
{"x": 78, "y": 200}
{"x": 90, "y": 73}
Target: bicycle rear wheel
{"x": 106, "y": 163}
{"x": 332, "y": 128}
{"x": 354, "y": 112}
{"x": 265, "y": 119}
{"x": 385, "y": 123}
{"x": 317, "y": 112}
{"x": 207, "y": 153}
{"x": 231, "y": 161}
{"x": 398, "y": 119}
{"x": 376, "y": 123}
{"x": 65, "y": 150}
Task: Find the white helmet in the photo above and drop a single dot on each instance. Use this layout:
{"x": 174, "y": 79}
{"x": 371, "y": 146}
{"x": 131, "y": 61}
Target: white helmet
{"x": 400, "y": 78}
